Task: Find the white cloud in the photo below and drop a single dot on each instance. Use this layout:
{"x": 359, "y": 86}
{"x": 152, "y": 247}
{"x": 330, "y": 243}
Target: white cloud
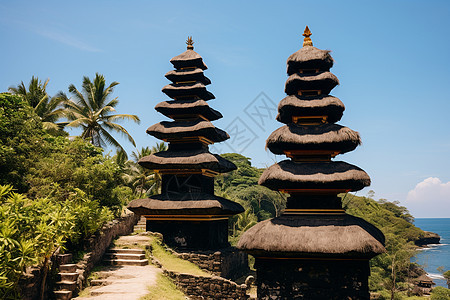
{"x": 429, "y": 199}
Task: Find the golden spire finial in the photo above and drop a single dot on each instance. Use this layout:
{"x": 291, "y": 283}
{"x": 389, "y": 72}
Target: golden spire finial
{"x": 307, "y": 40}
{"x": 190, "y": 43}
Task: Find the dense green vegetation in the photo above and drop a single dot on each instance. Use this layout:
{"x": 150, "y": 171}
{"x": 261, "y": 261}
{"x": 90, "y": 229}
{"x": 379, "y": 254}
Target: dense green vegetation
{"x": 55, "y": 192}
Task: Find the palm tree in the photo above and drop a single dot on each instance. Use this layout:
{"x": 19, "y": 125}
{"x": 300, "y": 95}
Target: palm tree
{"x": 93, "y": 112}
{"x": 142, "y": 180}
{"x": 48, "y": 109}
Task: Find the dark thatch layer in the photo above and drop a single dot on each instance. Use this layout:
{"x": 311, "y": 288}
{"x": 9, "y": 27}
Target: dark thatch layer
{"x": 188, "y": 75}
{"x": 179, "y": 90}
{"x": 187, "y": 59}
{"x": 324, "y": 81}
{"x": 188, "y": 107}
{"x": 193, "y": 159}
{"x": 306, "y": 106}
{"x": 319, "y": 137}
{"x": 313, "y": 236}
{"x": 184, "y": 129}
{"x": 185, "y": 204}
{"x": 307, "y": 175}
{"x": 309, "y": 58}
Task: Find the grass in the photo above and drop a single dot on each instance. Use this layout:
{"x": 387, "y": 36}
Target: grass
{"x": 173, "y": 263}
{"x": 164, "y": 289}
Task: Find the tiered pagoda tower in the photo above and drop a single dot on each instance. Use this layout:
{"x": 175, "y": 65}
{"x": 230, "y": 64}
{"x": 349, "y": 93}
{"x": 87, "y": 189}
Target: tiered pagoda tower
{"x": 187, "y": 212}
{"x": 314, "y": 250}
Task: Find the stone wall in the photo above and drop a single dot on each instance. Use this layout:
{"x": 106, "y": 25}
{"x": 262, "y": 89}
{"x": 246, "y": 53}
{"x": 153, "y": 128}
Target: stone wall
{"x": 100, "y": 242}
{"x": 29, "y": 284}
{"x": 229, "y": 262}
{"x": 201, "y": 287}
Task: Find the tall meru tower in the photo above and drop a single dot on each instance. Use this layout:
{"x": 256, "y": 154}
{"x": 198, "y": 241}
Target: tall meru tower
{"x": 314, "y": 250}
{"x": 187, "y": 212}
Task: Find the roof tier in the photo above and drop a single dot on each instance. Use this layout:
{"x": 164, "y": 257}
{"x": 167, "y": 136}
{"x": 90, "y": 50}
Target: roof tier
{"x": 188, "y": 75}
{"x": 335, "y": 175}
{"x": 185, "y": 204}
{"x": 324, "y": 81}
{"x": 191, "y": 159}
{"x": 196, "y": 90}
{"x": 188, "y": 59}
{"x": 313, "y": 236}
{"x": 309, "y": 58}
{"x": 185, "y": 129}
{"x": 180, "y": 109}
{"x": 320, "y": 137}
{"x": 322, "y": 105}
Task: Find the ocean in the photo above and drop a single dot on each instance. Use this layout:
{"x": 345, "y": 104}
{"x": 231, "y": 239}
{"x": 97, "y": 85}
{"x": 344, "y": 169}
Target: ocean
{"x": 436, "y": 255}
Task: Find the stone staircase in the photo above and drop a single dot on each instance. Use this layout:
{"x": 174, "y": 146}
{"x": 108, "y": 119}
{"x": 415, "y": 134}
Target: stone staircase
{"x": 125, "y": 257}
{"x": 141, "y": 224}
{"x": 67, "y": 277}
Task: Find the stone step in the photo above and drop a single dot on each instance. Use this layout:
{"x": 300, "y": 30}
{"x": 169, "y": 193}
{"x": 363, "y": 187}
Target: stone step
{"x": 63, "y": 295}
{"x": 128, "y": 251}
{"x": 65, "y": 276}
{"x": 68, "y": 268}
{"x": 131, "y": 256}
{"x": 99, "y": 282}
{"x": 140, "y": 227}
{"x": 66, "y": 285}
{"x": 126, "y": 262}
{"x": 63, "y": 259}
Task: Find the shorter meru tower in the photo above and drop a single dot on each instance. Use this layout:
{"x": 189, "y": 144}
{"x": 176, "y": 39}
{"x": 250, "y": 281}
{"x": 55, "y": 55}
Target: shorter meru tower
{"x": 187, "y": 212}
{"x": 314, "y": 250}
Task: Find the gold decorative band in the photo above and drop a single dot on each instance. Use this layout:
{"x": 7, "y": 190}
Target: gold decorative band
{"x": 204, "y": 172}
{"x": 185, "y": 217}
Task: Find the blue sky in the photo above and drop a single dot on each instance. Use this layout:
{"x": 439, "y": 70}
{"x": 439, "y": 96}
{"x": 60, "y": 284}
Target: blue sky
{"x": 391, "y": 58}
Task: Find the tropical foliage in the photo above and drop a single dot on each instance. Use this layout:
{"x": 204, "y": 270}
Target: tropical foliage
{"x": 141, "y": 180}
{"x": 92, "y": 110}
{"x": 68, "y": 189}
{"x": 49, "y": 109}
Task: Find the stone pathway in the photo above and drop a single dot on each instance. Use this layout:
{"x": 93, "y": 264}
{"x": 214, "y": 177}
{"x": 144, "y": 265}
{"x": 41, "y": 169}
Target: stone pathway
{"x": 123, "y": 282}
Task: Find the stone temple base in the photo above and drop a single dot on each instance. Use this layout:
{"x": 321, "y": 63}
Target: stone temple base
{"x": 192, "y": 235}
{"x": 229, "y": 263}
{"x": 312, "y": 279}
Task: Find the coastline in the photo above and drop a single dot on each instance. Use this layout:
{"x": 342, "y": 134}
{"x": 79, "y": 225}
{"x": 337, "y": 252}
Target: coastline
{"x": 432, "y": 254}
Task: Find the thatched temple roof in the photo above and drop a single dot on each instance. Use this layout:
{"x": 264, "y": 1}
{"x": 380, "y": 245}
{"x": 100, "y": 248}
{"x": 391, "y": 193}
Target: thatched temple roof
{"x": 319, "y": 137}
{"x": 322, "y": 105}
{"x": 188, "y": 59}
{"x": 309, "y": 58}
{"x": 183, "y": 129}
{"x": 185, "y": 204}
{"x": 188, "y": 75}
{"x": 311, "y": 236}
{"x": 324, "y": 81}
{"x": 187, "y": 107}
{"x": 197, "y": 89}
{"x": 314, "y": 175}
{"x": 191, "y": 159}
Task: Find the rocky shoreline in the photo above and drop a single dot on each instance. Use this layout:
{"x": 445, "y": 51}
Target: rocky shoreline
{"x": 427, "y": 239}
